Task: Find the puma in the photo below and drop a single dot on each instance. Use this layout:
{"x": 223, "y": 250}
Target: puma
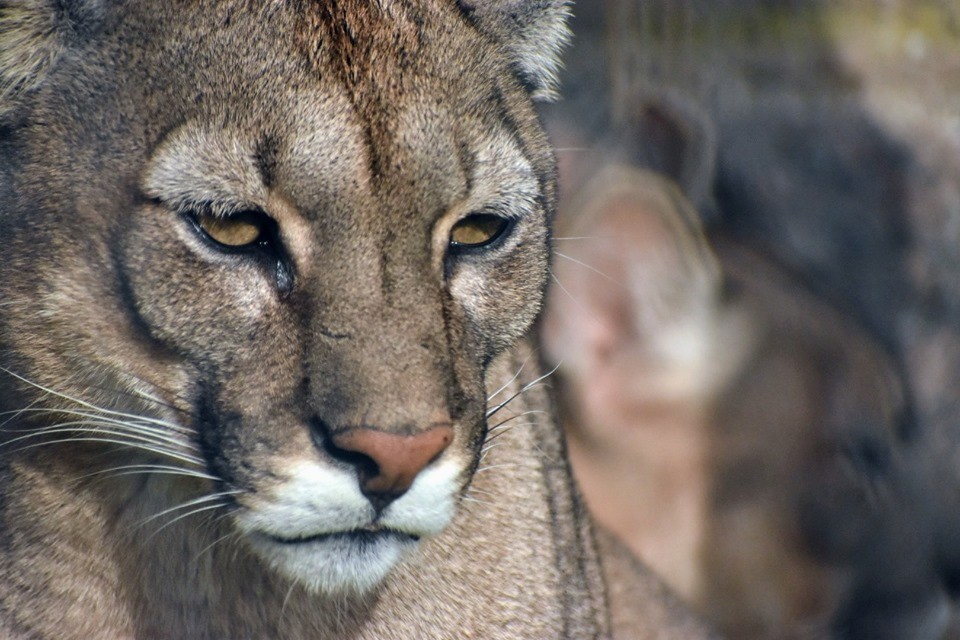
{"x": 266, "y": 277}
{"x": 744, "y": 436}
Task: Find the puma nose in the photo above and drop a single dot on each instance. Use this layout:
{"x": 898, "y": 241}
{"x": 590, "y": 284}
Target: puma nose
{"x": 387, "y": 463}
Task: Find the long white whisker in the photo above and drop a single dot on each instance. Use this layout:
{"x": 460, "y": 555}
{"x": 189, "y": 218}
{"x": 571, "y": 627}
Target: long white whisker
{"x": 487, "y": 449}
{"x": 481, "y": 491}
{"x": 133, "y": 469}
{"x": 511, "y": 380}
{"x": 88, "y": 405}
{"x": 232, "y": 534}
{"x": 192, "y": 512}
{"x": 123, "y": 443}
{"x": 504, "y": 466}
{"x": 133, "y": 427}
{"x": 109, "y": 428}
{"x": 506, "y": 430}
{"x": 586, "y": 266}
{"x": 522, "y": 390}
{"x": 570, "y": 295}
{"x": 191, "y": 503}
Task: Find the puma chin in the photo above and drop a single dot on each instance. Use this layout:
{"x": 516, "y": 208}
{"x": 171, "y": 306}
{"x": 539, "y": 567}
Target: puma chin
{"x": 320, "y": 529}
{"x": 258, "y": 260}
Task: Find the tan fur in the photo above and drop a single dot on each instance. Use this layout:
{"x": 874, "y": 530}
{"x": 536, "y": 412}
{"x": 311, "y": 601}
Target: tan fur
{"x": 170, "y": 457}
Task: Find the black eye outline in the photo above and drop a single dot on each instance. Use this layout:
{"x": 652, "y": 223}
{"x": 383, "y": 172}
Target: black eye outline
{"x": 505, "y": 226}
{"x": 267, "y": 248}
{"x": 266, "y": 226}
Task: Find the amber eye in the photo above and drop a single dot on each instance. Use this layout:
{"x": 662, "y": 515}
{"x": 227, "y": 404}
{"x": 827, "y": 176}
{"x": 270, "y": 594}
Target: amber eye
{"x": 236, "y": 231}
{"x": 478, "y": 230}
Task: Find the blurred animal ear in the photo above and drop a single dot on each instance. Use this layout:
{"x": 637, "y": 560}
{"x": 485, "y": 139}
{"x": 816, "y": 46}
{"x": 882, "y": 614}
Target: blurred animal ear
{"x": 632, "y": 269}
{"x": 33, "y": 36}
{"x": 674, "y": 137}
{"x": 533, "y": 32}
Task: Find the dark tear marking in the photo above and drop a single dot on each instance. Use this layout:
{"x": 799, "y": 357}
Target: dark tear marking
{"x": 124, "y": 289}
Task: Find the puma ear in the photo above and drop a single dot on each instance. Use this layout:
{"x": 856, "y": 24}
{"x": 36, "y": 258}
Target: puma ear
{"x": 676, "y": 138}
{"x": 534, "y": 33}
{"x": 33, "y": 36}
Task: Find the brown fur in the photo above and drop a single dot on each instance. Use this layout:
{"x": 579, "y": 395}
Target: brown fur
{"x": 163, "y": 395}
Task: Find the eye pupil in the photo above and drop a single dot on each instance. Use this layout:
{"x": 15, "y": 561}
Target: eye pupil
{"x": 477, "y": 230}
{"x": 235, "y": 231}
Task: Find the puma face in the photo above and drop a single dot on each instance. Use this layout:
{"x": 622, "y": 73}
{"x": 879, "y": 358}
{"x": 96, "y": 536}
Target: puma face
{"x": 285, "y": 271}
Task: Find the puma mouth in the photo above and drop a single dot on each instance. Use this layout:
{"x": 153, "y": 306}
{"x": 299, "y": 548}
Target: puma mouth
{"x": 366, "y": 535}
{"x": 351, "y": 561}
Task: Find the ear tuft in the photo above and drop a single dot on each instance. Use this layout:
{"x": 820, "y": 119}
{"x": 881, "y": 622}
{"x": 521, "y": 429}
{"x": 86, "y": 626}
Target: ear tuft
{"x": 33, "y": 35}
{"x": 29, "y": 45}
{"x": 534, "y": 32}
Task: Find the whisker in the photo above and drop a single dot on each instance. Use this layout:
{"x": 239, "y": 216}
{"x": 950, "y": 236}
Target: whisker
{"x": 605, "y": 238}
{"x": 88, "y": 405}
{"x": 212, "y": 497}
{"x": 508, "y": 429}
{"x": 511, "y": 380}
{"x": 143, "y": 430}
{"x": 231, "y": 534}
{"x": 569, "y": 295}
{"x": 139, "y": 394}
{"x": 481, "y": 491}
{"x": 524, "y": 389}
{"x": 98, "y": 426}
{"x": 286, "y": 598}
{"x": 192, "y": 512}
{"x": 505, "y": 465}
{"x": 122, "y": 443}
{"x": 133, "y": 469}
{"x": 486, "y": 450}
{"x": 586, "y": 266}
{"x": 514, "y": 417}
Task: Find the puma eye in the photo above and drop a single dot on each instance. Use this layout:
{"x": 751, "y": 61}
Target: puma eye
{"x": 237, "y": 231}
{"x": 478, "y": 230}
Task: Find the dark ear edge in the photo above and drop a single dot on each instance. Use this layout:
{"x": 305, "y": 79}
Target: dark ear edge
{"x": 675, "y": 137}
{"x": 533, "y": 34}
{"x": 33, "y": 36}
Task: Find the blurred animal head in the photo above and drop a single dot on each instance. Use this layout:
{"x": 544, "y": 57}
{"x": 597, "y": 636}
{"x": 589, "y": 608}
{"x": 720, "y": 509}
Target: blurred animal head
{"x": 768, "y": 427}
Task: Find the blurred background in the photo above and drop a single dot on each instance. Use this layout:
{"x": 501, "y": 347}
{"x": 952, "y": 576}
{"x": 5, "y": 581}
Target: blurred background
{"x": 755, "y": 307}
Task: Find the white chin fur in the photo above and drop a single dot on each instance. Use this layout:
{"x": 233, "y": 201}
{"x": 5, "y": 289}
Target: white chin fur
{"x": 339, "y": 564}
{"x": 317, "y": 500}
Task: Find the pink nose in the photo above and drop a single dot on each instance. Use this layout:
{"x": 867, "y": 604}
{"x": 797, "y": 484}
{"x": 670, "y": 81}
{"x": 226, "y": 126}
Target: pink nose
{"x": 387, "y": 463}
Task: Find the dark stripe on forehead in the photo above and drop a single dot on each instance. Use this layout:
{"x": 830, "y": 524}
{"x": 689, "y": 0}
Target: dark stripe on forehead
{"x": 369, "y": 49}
{"x": 265, "y": 157}
{"x": 467, "y": 160}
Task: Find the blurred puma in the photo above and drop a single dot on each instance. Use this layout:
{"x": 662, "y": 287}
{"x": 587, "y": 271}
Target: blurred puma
{"x": 742, "y": 435}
